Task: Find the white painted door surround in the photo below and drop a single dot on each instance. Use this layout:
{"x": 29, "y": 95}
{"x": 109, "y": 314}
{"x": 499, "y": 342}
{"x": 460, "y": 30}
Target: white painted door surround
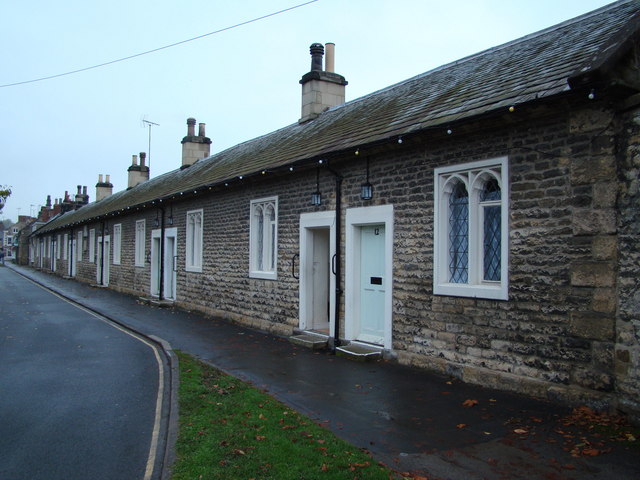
{"x": 369, "y": 275}
{"x": 317, "y": 281}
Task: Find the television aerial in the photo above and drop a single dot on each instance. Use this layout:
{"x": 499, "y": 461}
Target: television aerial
{"x": 144, "y": 123}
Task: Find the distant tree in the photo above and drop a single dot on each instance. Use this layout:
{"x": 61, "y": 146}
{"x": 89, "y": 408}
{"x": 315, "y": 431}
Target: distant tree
{"x": 5, "y": 191}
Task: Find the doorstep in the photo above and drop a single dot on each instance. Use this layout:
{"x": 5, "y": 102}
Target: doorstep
{"x": 156, "y": 302}
{"x": 313, "y": 341}
{"x": 359, "y": 352}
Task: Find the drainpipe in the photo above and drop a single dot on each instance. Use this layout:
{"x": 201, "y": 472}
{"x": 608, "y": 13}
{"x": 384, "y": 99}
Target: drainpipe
{"x": 337, "y": 270}
{"x": 161, "y": 286}
{"x": 102, "y": 257}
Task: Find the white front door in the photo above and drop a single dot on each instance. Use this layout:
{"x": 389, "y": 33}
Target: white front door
{"x": 170, "y": 263}
{"x": 369, "y": 275}
{"x": 104, "y": 260}
{"x": 155, "y": 263}
{"x": 71, "y": 255}
{"x": 317, "y": 281}
{"x": 372, "y": 284}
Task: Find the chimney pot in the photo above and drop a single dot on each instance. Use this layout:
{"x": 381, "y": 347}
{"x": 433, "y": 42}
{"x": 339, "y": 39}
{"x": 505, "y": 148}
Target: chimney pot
{"x": 99, "y": 178}
{"x": 330, "y": 58}
{"x": 317, "y": 51}
{"x": 143, "y": 158}
{"x": 84, "y": 190}
{"x": 134, "y": 160}
{"x": 79, "y": 189}
{"x": 201, "y": 130}
{"x": 191, "y": 126}
{"x": 108, "y": 179}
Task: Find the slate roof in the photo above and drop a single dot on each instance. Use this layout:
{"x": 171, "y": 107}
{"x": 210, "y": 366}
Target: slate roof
{"x": 533, "y": 67}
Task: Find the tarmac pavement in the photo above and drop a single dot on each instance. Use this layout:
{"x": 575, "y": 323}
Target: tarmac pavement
{"x": 416, "y": 422}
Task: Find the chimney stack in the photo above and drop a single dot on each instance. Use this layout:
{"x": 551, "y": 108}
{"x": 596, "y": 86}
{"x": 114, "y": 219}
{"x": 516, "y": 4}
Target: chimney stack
{"x": 103, "y": 189}
{"x": 321, "y": 88}
{"x": 194, "y": 147}
{"x": 137, "y": 173}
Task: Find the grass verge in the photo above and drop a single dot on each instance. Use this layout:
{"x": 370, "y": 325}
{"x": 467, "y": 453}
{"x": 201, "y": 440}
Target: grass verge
{"x": 231, "y": 430}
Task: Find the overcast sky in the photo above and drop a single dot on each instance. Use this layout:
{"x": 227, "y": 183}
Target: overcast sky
{"x": 242, "y": 82}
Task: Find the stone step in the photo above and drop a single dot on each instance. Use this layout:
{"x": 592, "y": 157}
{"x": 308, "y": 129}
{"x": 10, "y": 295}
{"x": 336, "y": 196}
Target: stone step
{"x": 309, "y": 340}
{"x": 155, "y": 302}
{"x": 359, "y": 352}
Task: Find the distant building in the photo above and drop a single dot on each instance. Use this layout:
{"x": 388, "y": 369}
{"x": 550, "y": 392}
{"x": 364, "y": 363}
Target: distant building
{"x": 480, "y": 219}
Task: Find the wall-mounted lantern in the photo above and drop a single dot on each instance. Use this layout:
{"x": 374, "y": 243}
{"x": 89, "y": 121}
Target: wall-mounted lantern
{"x": 366, "y": 189}
{"x": 316, "y": 197}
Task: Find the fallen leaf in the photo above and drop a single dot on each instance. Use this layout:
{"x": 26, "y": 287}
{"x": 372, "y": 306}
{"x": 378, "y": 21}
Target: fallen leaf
{"x": 520, "y": 431}
{"x": 324, "y": 467}
{"x": 260, "y": 437}
{"x": 469, "y": 403}
{"x": 591, "y": 452}
{"x": 461, "y": 425}
{"x": 237, "y": 451}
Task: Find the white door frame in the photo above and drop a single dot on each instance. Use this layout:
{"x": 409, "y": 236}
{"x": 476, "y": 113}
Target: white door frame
{"x": 103, "y": 261}
{"x": 169, "y": 274}
{"x": 356, "y": 218}
{"x": 170, "y": 261}
{"x": 309, "y": 222}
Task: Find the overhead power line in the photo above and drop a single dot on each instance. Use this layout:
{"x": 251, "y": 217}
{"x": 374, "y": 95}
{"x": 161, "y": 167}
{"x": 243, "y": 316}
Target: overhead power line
{"x": 159, "y": 48}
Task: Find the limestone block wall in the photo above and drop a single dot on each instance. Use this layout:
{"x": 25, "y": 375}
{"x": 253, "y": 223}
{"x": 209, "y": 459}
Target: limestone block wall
{"x": 627, "y": 340}
{"x": 569, "y": 329}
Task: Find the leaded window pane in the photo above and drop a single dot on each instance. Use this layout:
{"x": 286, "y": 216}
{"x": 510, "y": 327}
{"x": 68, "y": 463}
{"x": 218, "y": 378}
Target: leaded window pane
{"x": 459, "y": 235}
{"x": 491, "y": 242}
{"x": 491, "y": 191}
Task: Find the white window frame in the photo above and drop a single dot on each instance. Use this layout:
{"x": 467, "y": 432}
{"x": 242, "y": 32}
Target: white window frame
{"x": 117, "y": 243}
{"x": 66, "y": 246}
{"x": 194, "y": 231}
{"x": 92, "y": 245}
{"x": 79, "y": 247}
{"x": 265, "y": 266}
{"x": 140, "y": 242}
{"x": 473, "y": 175}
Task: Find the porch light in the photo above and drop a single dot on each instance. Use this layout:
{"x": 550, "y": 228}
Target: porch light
{"x": 316, "y": 197}
{"x": 366, "y": 189}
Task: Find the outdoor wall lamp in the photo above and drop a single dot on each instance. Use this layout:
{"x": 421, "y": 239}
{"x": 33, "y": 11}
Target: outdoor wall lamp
{"x": 170, "y": 219}
{"x": 316, "y": 197}
{"x": 366, "y": 189}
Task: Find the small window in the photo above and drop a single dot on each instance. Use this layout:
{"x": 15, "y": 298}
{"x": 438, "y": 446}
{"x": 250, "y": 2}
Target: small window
{"x": 263, "y": 254}
{"x": 470, "y": 254}
{"x": 139, "y": 245}
{"x": 193, "y": 261}
{"x": 117, "y": 242}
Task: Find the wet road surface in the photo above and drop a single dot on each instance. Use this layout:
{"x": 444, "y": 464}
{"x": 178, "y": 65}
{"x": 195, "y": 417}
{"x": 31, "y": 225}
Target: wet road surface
{"x": 77, "y": 396}
{"x": 411, "y": 420}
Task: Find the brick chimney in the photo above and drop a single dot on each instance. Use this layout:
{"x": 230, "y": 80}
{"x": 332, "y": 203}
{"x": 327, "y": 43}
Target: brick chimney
{"x": 81, "y": 197}
{"x": 322, "y": 88}
{"x": 194, "y": 147}
{"x": 138, "y": 173}
{"x": 103, "y": 189}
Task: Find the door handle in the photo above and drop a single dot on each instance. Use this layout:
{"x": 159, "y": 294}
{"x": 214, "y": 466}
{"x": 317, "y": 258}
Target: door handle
{"x": 333, "y": 264}
{"x": 175, "y": 263}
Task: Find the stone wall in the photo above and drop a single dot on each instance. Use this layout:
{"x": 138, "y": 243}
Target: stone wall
{"x": 570, "y": 327}
{"x": 627, "y": 346}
